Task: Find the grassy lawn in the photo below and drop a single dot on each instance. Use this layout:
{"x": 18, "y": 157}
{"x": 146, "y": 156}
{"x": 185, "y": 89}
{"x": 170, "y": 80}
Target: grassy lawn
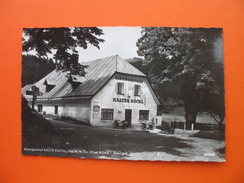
{"x": 215, "y": 135}
{"x": 178, "y": 115}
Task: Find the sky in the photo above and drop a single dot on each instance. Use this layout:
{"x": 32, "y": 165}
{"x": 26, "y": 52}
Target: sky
{"x": 118, "y": 40}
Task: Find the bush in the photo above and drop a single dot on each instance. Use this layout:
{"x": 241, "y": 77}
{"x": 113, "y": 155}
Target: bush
{"x": 180, "y": 103}
{"x": 166, "y": 111}
{"x": 165, "y": 126}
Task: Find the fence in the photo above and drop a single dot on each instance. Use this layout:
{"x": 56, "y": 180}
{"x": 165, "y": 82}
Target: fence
{"x": 198, "y": 126}
{"x": 178, "y": 125}
{"x": 206, "y": 126}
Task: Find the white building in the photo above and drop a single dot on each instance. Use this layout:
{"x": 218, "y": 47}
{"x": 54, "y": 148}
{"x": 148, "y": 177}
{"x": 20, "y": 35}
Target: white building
{"x": 112, "y": 89}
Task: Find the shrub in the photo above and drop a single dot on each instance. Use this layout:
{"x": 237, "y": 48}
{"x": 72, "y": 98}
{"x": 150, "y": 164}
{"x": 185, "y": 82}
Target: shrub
{"x": 180, "y": 103}
{"x": 165, "y": 126}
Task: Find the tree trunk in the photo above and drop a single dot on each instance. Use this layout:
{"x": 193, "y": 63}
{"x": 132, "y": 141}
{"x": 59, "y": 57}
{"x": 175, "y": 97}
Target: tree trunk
{"x": 188, "y": 93}
{"x": 221, "y": 126}
{"x": 190, "y": 116}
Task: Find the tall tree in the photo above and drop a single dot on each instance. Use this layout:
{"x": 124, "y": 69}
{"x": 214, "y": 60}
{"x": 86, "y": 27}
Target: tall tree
{"x": 34, "y": 68}
{"x": 167, "y": 92}
{"x": 190, "y": 56}
{"x": 63, "y": 43}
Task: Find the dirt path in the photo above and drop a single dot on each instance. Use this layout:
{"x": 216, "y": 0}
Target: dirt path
{"x": 200, "y": 150}
{"x": 165, "y": 147}
{"x": 103, "y": 143}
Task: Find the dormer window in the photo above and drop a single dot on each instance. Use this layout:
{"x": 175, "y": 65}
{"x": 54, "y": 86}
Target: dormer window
{"x": 74, "y": 82}
{"x": 50, "y": 84}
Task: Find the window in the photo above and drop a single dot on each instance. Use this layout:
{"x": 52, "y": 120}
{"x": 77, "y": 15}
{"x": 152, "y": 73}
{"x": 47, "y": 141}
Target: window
{"x": 39, "y": 108}
{"x": 107, "y": 114}
{"x": 120, "y": 88}
{"x": 56, "y": 109}
{"x": 137, "y": 90}
{"x": 50, "y": 84}
{"x": 143, "y": 114}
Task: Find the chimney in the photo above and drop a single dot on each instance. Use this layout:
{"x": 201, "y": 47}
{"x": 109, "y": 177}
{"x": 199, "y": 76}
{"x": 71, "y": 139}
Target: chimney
{"x": 57, "y": 65}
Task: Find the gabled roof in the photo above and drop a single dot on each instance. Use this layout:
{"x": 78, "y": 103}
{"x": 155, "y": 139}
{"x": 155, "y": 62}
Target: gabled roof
{"x": 100, "y": 71}
{"x": 98, "y": 74}
{"x": 56, "y": 78}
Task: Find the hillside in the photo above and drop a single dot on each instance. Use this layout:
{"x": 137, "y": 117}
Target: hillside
{"x": 34, "y": 68}
{"x": 35, "y": 128}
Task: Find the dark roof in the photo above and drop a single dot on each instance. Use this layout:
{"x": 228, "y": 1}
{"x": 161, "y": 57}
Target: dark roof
{"x": 98, "y": 74}
{"x": 60, "y": 87}
{"x": 100, "y": 71}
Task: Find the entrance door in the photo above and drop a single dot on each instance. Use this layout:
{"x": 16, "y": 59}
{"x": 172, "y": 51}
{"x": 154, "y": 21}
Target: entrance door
{"x": 128, "y": 116}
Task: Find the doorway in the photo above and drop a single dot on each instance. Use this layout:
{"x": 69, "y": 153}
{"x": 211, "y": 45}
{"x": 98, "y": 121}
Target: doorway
{"x": 128, "y": 113}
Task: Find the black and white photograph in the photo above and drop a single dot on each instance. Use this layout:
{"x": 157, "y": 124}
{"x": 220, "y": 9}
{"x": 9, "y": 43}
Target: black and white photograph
{"x": 124, "y": 93}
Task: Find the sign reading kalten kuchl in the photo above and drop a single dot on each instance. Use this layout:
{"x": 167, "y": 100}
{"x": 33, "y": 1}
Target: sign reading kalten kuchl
{"x": 125, "y": 100}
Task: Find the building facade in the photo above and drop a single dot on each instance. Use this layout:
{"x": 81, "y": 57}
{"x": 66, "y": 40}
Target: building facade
{"x": 112, "y": 90}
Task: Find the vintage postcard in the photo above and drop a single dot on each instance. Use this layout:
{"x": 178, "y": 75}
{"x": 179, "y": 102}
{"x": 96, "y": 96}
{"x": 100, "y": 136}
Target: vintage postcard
{"x": 124, "y": 93}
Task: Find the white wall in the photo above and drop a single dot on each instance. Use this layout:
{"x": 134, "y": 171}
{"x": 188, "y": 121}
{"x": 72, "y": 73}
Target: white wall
{"x": 104, "y": 98}
{"x": 83, "y": 109}
{"x": 77, "y": 109}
